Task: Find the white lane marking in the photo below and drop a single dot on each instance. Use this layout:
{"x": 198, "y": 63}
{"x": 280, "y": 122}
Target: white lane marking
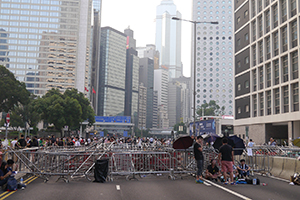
{"x": 118, "y": 187}
{"x": 280, "y": 179}
{"x": 207, "y": 184}
{"x": 229, "y": 191}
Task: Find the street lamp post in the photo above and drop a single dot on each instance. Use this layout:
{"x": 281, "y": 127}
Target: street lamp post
{"x": 195, "y": 39}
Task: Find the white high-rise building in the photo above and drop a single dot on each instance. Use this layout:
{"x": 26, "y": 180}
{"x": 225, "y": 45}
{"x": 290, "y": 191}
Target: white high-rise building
{"x": 214, "y": 67}
{"x": 168, "y": 37}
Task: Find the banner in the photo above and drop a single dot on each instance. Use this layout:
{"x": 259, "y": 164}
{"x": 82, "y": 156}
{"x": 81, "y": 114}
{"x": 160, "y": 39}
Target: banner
{"x": 201, "y": 127}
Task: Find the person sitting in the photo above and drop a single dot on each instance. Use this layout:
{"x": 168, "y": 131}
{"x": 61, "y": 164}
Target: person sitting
{"x": 4, "y": 173}
{"x": 244, "y": 170}
{"x": 212, "y": 171}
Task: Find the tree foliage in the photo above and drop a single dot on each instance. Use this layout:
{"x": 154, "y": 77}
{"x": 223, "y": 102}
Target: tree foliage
{"x": 68, "y": 109}
{"x": 176, "y": 127}
{"x": 12, "y": 91}
{"x": 211, "y": 109}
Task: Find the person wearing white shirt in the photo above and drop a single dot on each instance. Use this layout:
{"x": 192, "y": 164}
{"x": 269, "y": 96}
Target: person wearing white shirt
{"x": 14, "y": 142}
{"x": 251, "y": 143}
{"x": 77, "y": 143}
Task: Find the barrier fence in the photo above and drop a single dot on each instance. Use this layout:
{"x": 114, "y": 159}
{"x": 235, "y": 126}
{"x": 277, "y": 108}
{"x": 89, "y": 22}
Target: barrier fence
{"x": 133, "y": 160}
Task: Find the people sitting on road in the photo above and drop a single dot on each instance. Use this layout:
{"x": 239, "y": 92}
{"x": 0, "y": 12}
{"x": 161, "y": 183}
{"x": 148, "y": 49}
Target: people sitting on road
{"x": 212, "y": 171}
{"x": 244, "y": 170}
{"x": 6, "y": 170}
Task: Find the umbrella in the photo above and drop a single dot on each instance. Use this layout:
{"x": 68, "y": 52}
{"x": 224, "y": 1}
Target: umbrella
{"x": 296, "y": 142}
{"x": 238, "y": 144}
{"x": 183, "y": 143}
{"x": 211, "y": 137}
{"x": 219, "y": 142}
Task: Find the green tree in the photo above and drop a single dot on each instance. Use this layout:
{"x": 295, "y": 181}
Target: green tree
{"x": 12, "y": 91}
{"x": 176, "y": 127}
{"x": 211, "y": 109}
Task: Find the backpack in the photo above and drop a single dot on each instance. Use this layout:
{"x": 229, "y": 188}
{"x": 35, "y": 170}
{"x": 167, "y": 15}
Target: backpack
{"x": 12, "y": 184}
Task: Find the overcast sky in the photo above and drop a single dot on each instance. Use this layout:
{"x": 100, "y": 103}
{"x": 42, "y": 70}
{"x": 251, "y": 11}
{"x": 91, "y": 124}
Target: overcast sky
{"x": 140, "y": 16}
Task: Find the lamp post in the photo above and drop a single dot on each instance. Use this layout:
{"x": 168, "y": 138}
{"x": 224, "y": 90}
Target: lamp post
{"x": 195, "y": 39}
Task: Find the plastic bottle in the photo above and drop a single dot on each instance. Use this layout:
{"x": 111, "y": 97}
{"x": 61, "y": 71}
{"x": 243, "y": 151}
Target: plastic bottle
{"x": 22, "y": 183}
{"x": 254, "y": 181}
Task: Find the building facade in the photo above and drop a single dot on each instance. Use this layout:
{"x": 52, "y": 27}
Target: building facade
{"x": 150, "y": 52}
{"x": 155, "y": 109}
{"x": 168, "y": 37}
{"x": 142, "y": 108}
{"x": 266, "y": 70}
{"x": 112, "y": 73}
{"x": 214, "y": 53}
{"x": 132, "y": 77}
{"x": 49, "y": 43}
{"x": 161, "y": 79}
{"x": 146, "y": 76}
{"x": 174, "y": 103}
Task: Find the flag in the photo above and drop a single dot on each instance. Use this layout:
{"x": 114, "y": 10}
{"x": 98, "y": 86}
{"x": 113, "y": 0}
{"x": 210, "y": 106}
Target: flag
{"x": 94, "y": 91}
{"x": 86, "y": 89}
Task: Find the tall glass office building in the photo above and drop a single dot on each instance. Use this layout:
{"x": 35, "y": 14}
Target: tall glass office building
{"x": 214, "y": 56}
{"x": 48, "y": 43}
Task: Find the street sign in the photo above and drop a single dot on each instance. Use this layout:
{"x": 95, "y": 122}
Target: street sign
{"x": 7, "y": 118}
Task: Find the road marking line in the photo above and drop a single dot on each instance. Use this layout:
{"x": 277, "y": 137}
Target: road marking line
{"x": 207, "y": 184}
{"x": 229, "y": 191}
{"x": 31, "y": 180}
{"x": 4, "y": 193}
{"x": 118, "y": 187}
{"x": 10, "y": 193}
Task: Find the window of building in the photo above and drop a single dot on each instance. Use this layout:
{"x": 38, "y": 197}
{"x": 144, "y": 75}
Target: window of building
{"x": 267, "y": 2}
{"x": 239, "y": 110}
{"x": 238, "y": 20}
{"x": 247, "y": 108}
{"x": 283, "y": 11}
{"x": 238, "y": 64}
{"x": 294, "y": 57}
{"x": 293, "y": 8}
{"x": 275, "y": 16}
{"x": 267, "y": 21}
{"x": 247, "y": 84}
{"x": 276, "y": 43}
{"x": 286, "y": 99}
{"x": 253, "y": 8}
{"x": 285, "y": 69}
{"x": 254, "y": 54}
{"x": 295, "y": 97}
{"x": 261, "y": 78}
{"x": 260, "y": 26}
{"x": 268, "y": 75}
{"x": 276, "y": 72}
{"x": 261, "y": 52}
{"x": 246, "y": 37}
{"x": 284, "y": 38}
{"x": 254, "y": 80}
{"x": 269, "y": 103}
{"x": 238, "y": 42}
{"x": 277, "y": 101}
{"x": 239, "y": 87}
{"x": 259, "y": 5}
{"x": 246, "y": 14}
{"x": 294, "y": 34}
{"x": 268, "y": 48}
{"x": 254, "y": 30}
{"x": 254, "y": 105}
{"x": 247, "y": 60}
{"x": 261, "y": 104}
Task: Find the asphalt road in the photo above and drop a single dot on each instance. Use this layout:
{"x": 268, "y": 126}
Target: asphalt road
{"x": 152, "y": 187}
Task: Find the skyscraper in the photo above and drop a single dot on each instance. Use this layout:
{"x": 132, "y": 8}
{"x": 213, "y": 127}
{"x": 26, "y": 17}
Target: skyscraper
{"x": 168, "y": 37}
{"x": 267, "y": 70}
{"x": 214, "y": 53}
{"x": 174, "y": 103}
{"x": 132, "y": 77}
{"x": 49, "y": 42}
{"x": 112, "y": 72}
{"x": 146, "y": 76}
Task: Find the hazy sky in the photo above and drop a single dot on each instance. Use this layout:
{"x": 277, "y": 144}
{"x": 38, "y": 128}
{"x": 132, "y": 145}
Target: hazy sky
{"x": 140, "y": 16}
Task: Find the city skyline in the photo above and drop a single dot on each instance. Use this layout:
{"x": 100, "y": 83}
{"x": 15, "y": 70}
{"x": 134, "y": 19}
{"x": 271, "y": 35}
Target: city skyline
{"x": 144, "y": 27}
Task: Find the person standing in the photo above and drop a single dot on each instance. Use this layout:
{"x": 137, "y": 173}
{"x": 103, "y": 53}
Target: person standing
{"x": 198, "y": 148}
{"x": 251, "y": 143}
{"x": 226, "y": 157}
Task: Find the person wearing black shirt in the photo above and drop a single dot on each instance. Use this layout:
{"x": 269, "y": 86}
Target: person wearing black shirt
{"x": 21, "y": 142}
{"x": 226, "y": 153}
{"x": 198, "y": 147}
{"x": 212, "y": 171}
